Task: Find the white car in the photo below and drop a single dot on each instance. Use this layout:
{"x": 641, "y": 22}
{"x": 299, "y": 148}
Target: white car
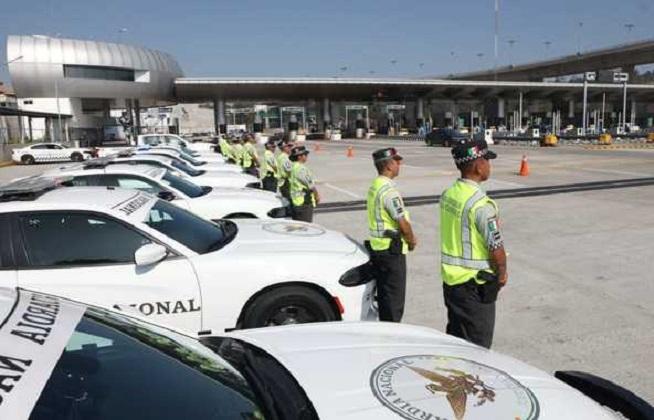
{"x": 176, "y": 164}
{"x": 50, "y": 152}
{"x": 127, "y": 249}
{"x": 212, "y": 203}
{"x": 174, "y": 140}
{"x": 194, "y": 159}
{"x": 93, "y": 363}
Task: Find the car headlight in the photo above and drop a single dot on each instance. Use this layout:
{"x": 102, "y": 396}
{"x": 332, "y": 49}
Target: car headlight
{"x": 279, "y": 212}
{"x": 357, "y": 276}
{"x": 253, "y": 185}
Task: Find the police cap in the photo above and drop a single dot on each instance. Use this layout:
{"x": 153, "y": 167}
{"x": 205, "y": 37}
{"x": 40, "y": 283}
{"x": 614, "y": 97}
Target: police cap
{"x": 384, "y": 154}
{"x": 471, "y": 150}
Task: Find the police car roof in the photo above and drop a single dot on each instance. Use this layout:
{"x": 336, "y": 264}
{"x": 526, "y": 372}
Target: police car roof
{"x": 144, "y": 157}
{"x": 104, "y": 199}
{"x": 143, "y": 169}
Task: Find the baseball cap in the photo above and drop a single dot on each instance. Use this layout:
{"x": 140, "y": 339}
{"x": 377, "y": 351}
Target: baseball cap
{"x": 472, "y": 150}
{"x": 387, "y": 153}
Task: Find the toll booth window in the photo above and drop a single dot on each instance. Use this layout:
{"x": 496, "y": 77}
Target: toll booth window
{"x": 61, "y": 240}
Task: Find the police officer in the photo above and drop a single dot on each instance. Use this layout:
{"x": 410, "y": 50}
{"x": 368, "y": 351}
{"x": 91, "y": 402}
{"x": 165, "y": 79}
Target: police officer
{"x": 237, "y": 151}
{"x": 269, "y": 167}
{"x": 250, "y": 156}
{"x": 391, "y": 235}
{"x": 304, "y": 195}
{"x": 224, "y": 147}
{"x": 284, "y": 166}
{"x": 473, "y": 261}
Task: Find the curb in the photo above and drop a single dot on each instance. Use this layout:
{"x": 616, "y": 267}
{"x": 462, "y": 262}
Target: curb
{"x": 6, "y": 163}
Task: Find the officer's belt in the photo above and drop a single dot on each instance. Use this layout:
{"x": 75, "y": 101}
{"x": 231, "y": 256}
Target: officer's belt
{"x": 465, "y": 262}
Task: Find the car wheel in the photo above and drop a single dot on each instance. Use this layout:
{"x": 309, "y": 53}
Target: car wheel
{"x": 27, "y": 160}
{"x": 288, "y": 305}
{"x": 76, "y": 157}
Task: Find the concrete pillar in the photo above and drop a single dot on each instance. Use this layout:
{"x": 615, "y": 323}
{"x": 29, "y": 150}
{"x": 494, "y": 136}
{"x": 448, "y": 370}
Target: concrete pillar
{"x": 137, "y": 116}
{"x": 20, "y": 128}
{"x": 48, "y": 130}
{"x": 29, "y": 124}
{"x": 420, "y": 112}
{"x": 571, "y": 109}
{"x": 292, "y": 127}
{"x": 130, "y": 135}
{"x": 326, "y": 113}
{"x": 258, "y": 123}
{"x": 633, "y": 112}
{"x": 501, "y": 104}
{"x": 219, "y": 116}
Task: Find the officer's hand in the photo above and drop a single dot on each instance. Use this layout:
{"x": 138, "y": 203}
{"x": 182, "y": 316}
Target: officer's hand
{"x": 316, "y": 196}
{"x": 503, "y": 280}
{"x": 412, "y": 245}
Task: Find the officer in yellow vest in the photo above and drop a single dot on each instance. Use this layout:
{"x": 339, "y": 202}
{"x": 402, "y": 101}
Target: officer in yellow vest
{"x": 269, "y": 167}
{"x": 224, "y": 147}
{"x": 250, "y": 156}
{"x": 284, "y": 166}
{"x": 473, "y": 261}
{"x": 304, "y": 195}
{"x": 390, "y": 235}
{"x": 237, "y": 151}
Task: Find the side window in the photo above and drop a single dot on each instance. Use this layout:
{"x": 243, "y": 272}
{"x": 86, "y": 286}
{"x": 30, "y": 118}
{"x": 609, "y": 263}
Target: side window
{"x": 6, "y": 256}
{"x": 81, "y": 181}
{"x": 52, "y": 147}
{"x": 40, "y": 146}
{"x": 140, "y": 184}
{"x": 151, "y": 140}
{"x": 69, "y": 239}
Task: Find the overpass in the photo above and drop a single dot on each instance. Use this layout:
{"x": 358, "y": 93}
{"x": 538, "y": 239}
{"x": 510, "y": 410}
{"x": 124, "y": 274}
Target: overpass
{"x": 624, "y": 56}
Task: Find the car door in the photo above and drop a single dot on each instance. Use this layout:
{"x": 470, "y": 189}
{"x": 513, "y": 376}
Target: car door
{"x": 59, "y": 152}
{"x": 90, "y": 257}
{"x": 40, "y": 152}
{"x": 8, "y": 276}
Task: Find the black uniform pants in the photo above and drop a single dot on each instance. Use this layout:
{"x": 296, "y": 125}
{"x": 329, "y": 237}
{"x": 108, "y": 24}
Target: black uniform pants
{"x": 390, "y": 273}
{"x": 285, "y": 189}
{"x": 252, "y": 170}
{"x": 303, "y": 213}
{"x": 467, "y": 316}
{"x": 269, "y": 182}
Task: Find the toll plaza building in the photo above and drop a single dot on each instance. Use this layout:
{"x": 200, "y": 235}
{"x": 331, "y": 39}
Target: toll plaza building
{"x": 90, "y": 81}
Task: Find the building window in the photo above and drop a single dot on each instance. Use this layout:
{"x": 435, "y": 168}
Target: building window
{"x": 97, "y": 72}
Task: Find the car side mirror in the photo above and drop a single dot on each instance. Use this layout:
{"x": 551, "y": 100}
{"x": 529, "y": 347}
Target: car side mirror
{"x": 150, "y": 254}
{"x": 166, "y": 195}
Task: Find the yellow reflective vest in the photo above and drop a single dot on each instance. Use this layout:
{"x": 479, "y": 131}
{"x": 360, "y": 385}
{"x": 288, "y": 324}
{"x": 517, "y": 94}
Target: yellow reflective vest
{"x": 284, "y": 167}
{"x": 237, "y": 153}
{"x": 298, "y": 187}
{"x": 269, "y": 164}
{"x": 379, "y": 220}
{"x": 464, "y": 251}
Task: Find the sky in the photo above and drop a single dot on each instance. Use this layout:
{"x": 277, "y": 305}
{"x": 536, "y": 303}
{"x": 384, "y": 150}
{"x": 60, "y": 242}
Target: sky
{"x": 355, "y": 38}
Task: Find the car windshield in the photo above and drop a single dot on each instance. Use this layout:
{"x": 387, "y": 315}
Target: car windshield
{"x": 185, "y": 167}
{"x": 183, "y": 185}
{"x": 190, "y": 159}
{"x": 115, "y": 367}
{"x": 193, "y": 232}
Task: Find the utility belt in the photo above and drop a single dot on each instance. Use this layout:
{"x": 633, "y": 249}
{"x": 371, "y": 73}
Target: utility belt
{"x": 395, "y": 247}
{"x": 487, "y": 291}
{"x": 269, "y": 174}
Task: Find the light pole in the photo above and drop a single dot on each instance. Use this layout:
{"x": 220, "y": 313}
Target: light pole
{"x": 547, "y": 46}
{"x": 495, "y": 38}
{"x": 580, "y": 25}
{"x": 511, "y": 43}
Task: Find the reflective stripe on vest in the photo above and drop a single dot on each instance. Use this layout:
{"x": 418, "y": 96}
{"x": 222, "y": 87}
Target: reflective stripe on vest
{"x": 463, "y": 250}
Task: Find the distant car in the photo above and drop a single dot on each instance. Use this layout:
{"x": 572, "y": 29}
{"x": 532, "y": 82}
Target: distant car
{"x": 210, "y": 202}
{"x": 94, "y": 363}
{"x": 50, "y": 152}
{"x": 446, "y": 137}
{"x": 174, "y": 140}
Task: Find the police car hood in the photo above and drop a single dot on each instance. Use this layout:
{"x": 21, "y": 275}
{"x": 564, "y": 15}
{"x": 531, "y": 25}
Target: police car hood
{"x": 390, "y": 371}
{"x": 250, "y": 194}
{"x": 286, "y": 236}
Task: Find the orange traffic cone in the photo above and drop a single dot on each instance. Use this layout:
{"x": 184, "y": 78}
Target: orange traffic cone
{"x": 524, "y": 166}
{"x": 350, "y": 151}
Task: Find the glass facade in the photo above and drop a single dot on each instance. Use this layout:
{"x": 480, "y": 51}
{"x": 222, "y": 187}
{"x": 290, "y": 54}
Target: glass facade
{"x": 98, "y": 73}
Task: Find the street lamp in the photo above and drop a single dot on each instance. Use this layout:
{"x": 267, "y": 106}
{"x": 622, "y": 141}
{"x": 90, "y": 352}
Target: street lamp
{"x": 580, "y": 25}
{"x": 511, "y": 43}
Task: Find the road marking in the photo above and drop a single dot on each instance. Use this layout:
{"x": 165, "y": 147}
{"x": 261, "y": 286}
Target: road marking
{"x": 346, "y": 192}
{"x": 614, "y": 171}
{"x": 499, "y": 181}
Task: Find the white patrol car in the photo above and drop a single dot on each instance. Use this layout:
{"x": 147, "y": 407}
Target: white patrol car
{"x": 93, "y": 363}
{"x": 193, "y": 159}
{"x": 212, "y": 203}
{"x": 174, "y": 140}
{"x": 50, "y": 152}
{"x": 127, "y": 249}
{"x": 189, "y": 161}
{"x": 176, "y": 164}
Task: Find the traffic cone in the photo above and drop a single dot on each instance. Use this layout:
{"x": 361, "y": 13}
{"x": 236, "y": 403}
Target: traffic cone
{"x": 524, "y": 166}
{"x": 350, "y": 151}
{"x": 316, "y": 147}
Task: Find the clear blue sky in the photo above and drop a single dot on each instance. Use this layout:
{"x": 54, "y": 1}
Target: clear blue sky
{"x": 318, "y": 38}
